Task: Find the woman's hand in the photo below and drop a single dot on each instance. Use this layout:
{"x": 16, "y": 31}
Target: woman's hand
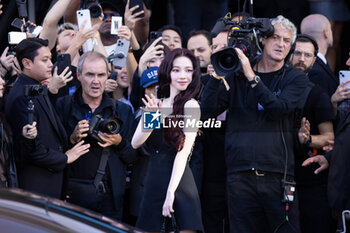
{"x": 168, "y": 204}
{"x": 152, "y": 104}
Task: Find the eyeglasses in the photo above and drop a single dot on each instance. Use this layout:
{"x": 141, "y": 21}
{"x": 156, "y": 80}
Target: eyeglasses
{"x": 306, "y": 54}
{"x": 109, "y": 14}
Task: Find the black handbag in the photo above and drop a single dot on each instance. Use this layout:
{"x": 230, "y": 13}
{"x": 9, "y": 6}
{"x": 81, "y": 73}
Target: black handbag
{"x": 169, "y": 224}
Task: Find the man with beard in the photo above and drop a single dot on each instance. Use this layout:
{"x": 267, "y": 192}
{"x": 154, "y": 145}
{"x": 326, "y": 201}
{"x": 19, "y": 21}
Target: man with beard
{"x": 311, "y": 184}
{"x": 199, "y": 43}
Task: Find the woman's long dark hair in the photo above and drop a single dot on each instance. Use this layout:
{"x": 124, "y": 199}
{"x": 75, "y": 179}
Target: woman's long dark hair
{"x": 175, "y": 136}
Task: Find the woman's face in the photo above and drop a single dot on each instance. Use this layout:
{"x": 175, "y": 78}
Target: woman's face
{"x": 181, "y": 74}
{"x": 122, "y": 78}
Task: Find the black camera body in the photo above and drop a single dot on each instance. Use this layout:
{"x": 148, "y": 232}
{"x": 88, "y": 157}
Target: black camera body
{"x": 98, "y": 123}
{"x": 93, "y": 6}
{"x": 31, "y": 91}
{"x": 245, "y": 35}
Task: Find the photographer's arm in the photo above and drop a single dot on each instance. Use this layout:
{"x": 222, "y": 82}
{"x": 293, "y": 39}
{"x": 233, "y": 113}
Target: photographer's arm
{"x": 51, "y": 21}
{"x": 276, "y": 106}
{"x": 215, "y": 99}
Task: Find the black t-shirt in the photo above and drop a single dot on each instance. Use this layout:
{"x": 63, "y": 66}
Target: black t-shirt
{"x": 317, "y": 109}
{"x": 267, "y": 77}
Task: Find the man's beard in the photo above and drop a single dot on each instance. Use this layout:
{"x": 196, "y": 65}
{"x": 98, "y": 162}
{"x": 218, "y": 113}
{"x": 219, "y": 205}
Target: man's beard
{"x": 304, "y": 68}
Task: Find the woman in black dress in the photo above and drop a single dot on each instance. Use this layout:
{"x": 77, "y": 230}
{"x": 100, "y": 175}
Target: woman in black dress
{"x": 169, "y": 183}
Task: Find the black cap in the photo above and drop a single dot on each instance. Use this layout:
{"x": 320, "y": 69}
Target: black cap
{"x": 118, "y": 6}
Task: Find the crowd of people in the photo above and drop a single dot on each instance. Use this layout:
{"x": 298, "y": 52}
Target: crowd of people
{"x": 112, "y": 130}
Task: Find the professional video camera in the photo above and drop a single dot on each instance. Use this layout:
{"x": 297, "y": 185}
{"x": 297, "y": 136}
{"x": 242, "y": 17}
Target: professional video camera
{"x": 93, "y": 6}
{"x": 244, "y": 34}
{"x": 98, "y": 123}
{"x": 30, "y": 92}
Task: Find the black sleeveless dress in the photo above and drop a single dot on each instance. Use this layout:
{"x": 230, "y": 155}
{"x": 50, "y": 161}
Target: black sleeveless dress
{"x": 186, "y": 204}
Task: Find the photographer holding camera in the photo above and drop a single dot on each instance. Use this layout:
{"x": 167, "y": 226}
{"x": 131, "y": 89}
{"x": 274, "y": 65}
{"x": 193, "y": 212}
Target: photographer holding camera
{"x": 98, "y": 180}
{"x": 259, "y": 134}
{"x": 39, "y": 164}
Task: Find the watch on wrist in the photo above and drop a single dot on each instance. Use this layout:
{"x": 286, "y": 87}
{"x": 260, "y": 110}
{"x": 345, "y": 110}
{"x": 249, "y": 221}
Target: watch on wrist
{"x": 255, "y": 80}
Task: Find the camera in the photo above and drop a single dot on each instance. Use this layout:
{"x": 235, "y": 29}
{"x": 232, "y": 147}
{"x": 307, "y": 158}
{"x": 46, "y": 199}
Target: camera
{"x": 93, "y": 6}
{"x": 245, "y": 35}
{"x": 98, "y": 123}
{"x": 31, "y": 91}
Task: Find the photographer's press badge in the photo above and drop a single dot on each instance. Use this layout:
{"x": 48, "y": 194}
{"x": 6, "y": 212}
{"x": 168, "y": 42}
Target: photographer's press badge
{"x": 151, "y": 120}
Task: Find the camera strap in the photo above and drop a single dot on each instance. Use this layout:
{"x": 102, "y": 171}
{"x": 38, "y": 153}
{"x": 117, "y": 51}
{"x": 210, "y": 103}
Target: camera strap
{"x": 101, "y": 167}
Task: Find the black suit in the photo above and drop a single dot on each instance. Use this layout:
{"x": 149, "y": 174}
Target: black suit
{"x": 322, "y": 75}
{"x": 41, "y": 161}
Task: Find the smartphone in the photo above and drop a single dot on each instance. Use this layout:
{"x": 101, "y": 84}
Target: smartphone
{"x": 82, "y": 16}
{"x": 137, "y": 2}
{"x": 15, "y": 38}
{"x": 344, "y": 75}
{"x": 153, "y": 35}
{"x": 63, "y": 60}
{"x": 18, "y": 23}
{"x": 121, "y": 53}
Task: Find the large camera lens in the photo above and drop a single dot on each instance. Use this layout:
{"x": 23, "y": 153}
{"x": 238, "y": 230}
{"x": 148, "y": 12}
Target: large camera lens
{"x": 110, "y": 126}
{"x": 225, "y": 61}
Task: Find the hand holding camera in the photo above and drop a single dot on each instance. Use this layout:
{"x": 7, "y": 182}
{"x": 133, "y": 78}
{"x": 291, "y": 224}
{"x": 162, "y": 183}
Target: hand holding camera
{"x": 245, "y": 63}
{"x": 80, "y": 131}
{"x": 30, "y": 131}
{"x": 109, "y": 139}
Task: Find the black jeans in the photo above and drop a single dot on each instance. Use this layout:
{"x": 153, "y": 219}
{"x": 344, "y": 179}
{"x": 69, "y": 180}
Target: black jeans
{"x": 255, "y": 205}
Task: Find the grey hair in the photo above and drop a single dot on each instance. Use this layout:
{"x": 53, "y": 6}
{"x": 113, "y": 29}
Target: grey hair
{"x": 287, "y": 24}
{"x": 66, "y": 26}
{"x": 91, "y": 55}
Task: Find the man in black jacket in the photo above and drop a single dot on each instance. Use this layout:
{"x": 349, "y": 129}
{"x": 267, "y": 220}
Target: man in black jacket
{"x": 319, "y": 27}
{"x": 259, "y": 134}
{"x": 40, "y": 162}
{"x": 311, "y": 184}
{"x": 97, "y": 181}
